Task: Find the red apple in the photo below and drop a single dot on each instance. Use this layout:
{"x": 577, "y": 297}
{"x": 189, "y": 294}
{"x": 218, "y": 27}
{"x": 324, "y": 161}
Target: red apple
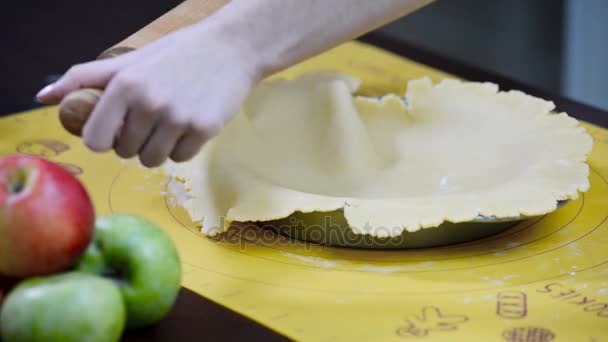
{"x": 46, "y": 217}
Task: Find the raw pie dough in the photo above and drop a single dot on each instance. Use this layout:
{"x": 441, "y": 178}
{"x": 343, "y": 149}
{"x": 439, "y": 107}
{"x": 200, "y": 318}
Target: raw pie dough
{"x": 456, "y": 150}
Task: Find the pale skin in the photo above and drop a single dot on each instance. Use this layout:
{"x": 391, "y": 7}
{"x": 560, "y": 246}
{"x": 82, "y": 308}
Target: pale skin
{"x": 165, "y": 100}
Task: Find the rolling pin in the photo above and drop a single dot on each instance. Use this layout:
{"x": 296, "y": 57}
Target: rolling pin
{"x": 76, "y": 107}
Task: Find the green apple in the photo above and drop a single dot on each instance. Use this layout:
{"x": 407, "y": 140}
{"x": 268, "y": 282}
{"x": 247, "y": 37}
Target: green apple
{"x": 65, "y": 307}
{"x": 92, "y": 261}
{"x": 142, "y": 259}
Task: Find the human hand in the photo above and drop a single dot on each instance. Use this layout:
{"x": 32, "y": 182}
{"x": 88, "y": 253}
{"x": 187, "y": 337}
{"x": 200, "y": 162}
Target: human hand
{"x": 166, "y": 99}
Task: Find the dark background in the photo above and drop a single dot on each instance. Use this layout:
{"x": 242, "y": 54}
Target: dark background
{"x": 549, "y": 44}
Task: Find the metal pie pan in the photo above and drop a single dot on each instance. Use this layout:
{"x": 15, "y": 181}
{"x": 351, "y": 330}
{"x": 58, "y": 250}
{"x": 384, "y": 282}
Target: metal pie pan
{"x": 331, "y": 229}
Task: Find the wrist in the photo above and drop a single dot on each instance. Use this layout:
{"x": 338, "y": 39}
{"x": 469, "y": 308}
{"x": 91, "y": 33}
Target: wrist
{"x": 227, "y": 37}
{"x": 239, "y": 27}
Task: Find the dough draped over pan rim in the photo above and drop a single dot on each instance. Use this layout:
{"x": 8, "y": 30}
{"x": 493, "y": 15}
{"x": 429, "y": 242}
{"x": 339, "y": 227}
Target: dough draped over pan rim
{"x": 451, "y": 152}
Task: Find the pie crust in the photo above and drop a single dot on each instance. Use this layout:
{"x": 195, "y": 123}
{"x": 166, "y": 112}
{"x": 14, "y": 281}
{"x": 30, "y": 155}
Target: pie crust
{"x": 451, "y": 151}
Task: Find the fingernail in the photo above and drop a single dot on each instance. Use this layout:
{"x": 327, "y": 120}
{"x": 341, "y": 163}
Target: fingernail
{"x": 45, "y": 91}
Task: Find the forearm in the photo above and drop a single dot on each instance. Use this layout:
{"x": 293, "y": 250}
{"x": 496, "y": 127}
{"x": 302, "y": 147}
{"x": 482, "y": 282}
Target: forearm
{"x": 280, "y": 33}
{"x": 166, "y": 99}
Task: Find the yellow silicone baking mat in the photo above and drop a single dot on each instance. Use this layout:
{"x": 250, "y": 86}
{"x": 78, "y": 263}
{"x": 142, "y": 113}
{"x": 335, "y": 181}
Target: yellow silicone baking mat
{"x": 542, "y": 280}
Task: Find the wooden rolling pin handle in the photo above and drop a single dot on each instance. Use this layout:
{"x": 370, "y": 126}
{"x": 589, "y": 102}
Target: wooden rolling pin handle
{"x": 77, "y": 106}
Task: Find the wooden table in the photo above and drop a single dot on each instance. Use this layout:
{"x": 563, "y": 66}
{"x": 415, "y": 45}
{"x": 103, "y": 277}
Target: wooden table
{"x": 196, "y": 318}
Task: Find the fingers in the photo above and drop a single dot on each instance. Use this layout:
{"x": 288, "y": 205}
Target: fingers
{"x": 188, "y": 146}
{"x": 138, "y": 126}
{"x": 178, "y": 140}
{"x": 204, "y": 128}
{"x": 88, "y": 75}
{"x": 161, "y": 143}
{"x": 158, "y": 135}
{"x": 171, "y": 138}
{"x": 104, "y": 125}
{"x": 132, "y": 122}
{"x": 131, "y": 117}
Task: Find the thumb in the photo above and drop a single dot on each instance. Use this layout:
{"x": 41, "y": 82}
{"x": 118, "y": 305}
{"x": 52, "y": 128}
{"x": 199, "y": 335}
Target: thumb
{"x": 95, "y": 74}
